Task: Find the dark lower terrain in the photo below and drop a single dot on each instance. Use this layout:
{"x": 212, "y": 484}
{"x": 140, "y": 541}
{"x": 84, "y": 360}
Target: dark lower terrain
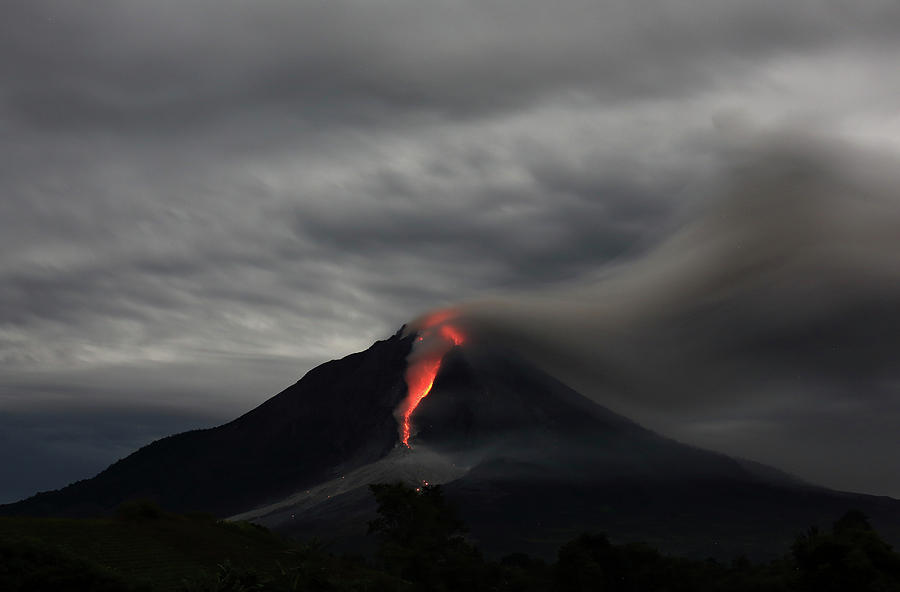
{"x": 418, "y": 542}
{"x": 542, "y": 463}
{"x": 693, "y": 518}
{"x": 508, "y": 510}
{"x": 144, "y": 547}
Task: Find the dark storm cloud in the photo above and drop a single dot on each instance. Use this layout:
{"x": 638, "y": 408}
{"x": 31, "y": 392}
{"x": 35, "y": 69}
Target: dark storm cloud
{"x": 767, "y": 327}
{"x": 133, "y": 65}
{"x": 201, "y": 200}
{"x": 555, "y": 227}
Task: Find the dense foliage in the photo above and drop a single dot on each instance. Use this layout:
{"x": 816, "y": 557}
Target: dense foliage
{"x": 422, "y": 546}
{"x": 33, "y": 567}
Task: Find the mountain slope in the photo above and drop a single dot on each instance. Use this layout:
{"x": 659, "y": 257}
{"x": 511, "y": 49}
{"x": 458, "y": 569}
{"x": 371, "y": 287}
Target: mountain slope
{"x": 529, "y": 461}
{"x": 538, "y": 463}
{"x": 337, "y": 417}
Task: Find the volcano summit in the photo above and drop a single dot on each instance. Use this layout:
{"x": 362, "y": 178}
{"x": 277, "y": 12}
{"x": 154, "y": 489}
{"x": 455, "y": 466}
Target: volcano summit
{"x": 529, "y": 461}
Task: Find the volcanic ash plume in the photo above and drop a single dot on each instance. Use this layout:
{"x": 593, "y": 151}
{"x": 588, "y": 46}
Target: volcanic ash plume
{"x": 767, "y": 326}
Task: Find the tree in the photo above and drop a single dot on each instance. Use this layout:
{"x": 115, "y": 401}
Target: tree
{"x": 852, "y": 557}
{"x": 422, "y": 538}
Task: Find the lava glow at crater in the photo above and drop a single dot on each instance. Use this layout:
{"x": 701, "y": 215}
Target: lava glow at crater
{"x": 452, "y": 334}
{"x": 432, "y": 344}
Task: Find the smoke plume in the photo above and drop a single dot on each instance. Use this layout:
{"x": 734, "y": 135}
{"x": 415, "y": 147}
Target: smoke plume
{"x": 767, "y": 325}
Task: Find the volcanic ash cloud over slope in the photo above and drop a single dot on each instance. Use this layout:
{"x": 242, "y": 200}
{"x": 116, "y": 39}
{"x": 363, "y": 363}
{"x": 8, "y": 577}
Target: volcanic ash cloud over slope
{"x": 767, "y": 326}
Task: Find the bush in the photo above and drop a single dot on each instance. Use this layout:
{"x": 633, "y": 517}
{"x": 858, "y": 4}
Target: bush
{"x": 851, "y": 557}
{"x": 32, "y": 567}
{"x": 139, "y": 511}
{"x": 421, "y": 539}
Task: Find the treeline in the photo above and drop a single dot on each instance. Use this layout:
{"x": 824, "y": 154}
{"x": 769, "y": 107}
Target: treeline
{"x": 422, "y": 542}
{"x": 422, "y": 547}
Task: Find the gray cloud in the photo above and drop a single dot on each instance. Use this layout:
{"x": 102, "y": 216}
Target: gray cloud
{"x": 543, "y": 229}
{"x": 200, "y": 201}
{"x": 136, "y": 66}
{"x": 766, "y": 327}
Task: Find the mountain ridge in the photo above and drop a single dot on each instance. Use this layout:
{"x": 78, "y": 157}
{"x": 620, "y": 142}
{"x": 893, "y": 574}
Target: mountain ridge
{"x": 324, "y": 420}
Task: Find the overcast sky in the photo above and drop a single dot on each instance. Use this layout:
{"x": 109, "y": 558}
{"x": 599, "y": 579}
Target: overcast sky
{"x": 199, "y": 201}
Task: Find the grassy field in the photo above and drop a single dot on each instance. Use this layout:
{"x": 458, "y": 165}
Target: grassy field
{"x": 155, "y": 550}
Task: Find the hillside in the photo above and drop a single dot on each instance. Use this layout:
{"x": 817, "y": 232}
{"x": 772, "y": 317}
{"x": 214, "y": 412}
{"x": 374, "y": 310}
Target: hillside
{"x": 152, "y": 550}
{"x": 336, "y": 418}
{"x": 529, "y": 461}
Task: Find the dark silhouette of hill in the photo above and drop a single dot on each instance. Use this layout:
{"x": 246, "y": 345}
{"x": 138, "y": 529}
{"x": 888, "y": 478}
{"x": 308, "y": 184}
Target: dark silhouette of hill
{"x": 543, "y": 463}
{"x": 151, "y": 549}
{"x": 337, "y": 417}
{"x": 529, "y": 461}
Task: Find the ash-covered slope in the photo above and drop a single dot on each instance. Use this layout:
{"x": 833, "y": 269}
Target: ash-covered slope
{"x": 336, "y": 418}
{"x": 538, "y": 463}
{"x": 529, "y": 462}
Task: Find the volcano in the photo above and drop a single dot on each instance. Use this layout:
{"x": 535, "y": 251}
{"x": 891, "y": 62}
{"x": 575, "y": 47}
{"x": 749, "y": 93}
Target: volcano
{"x": 529, "y": 462}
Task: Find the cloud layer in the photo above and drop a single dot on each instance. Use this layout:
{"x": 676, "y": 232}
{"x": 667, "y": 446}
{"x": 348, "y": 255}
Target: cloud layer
{"x": 201, "y": 200}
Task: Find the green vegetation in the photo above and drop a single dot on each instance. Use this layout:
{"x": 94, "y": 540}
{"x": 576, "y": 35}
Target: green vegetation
{"x": 143, "y": 545}
{"x": 851, "y": 557}
{"x": 422, "y": 547}
{"x": 35, "y": 567}
{"x": 421, "y": 539}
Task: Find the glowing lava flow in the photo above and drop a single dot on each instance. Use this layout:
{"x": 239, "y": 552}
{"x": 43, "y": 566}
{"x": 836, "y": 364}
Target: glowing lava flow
{"x": 423, "y": 369}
